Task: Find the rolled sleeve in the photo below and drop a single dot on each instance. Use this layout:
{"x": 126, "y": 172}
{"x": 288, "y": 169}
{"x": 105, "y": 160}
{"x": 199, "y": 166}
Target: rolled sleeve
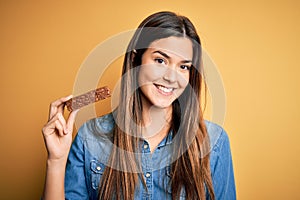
{"x": 222, "y": 169}
{"x": 75, "y": 180}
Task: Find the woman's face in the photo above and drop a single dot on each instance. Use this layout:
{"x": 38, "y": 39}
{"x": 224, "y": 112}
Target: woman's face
{"x": 165, "y": 70}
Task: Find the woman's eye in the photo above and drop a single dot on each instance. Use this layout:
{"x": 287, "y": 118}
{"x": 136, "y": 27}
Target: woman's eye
{"x": 185, "y": 67}
{"x": 159, "y": 60}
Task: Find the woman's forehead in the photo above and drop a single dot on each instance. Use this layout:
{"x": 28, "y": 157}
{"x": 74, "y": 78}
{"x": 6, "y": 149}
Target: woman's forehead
{"x": 174, "y": 46}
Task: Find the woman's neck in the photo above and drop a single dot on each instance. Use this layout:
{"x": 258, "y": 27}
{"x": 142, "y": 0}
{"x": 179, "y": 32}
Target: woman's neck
{"x": 156, "y": 124}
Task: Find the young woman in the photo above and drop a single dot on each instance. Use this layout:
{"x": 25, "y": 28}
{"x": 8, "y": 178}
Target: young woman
{"x": 155, "y": 144}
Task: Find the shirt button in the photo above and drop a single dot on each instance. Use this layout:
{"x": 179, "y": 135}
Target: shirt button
{"x": 98, "y": 168}
{"x": 145, "y": 146}
{"x": 148, "y": 174}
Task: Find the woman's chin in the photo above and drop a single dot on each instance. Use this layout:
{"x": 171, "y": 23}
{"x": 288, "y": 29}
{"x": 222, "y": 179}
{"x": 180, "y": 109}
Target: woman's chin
{"x": 163, "y": 105}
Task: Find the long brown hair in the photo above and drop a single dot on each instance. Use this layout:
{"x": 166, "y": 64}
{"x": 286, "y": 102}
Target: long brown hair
{"x": 190, "y": 141}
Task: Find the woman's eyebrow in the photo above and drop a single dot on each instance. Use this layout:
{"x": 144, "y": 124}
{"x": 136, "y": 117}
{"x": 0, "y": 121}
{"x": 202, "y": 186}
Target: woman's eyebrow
{"x": 167, "y": 56}
{"x": 162, "y": 53}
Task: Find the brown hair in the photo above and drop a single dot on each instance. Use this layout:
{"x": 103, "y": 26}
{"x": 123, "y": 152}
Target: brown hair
{"x": 190, "y": 141}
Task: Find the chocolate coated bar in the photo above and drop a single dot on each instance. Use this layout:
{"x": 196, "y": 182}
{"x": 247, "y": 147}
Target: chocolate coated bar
{"x": 88, "y": 98}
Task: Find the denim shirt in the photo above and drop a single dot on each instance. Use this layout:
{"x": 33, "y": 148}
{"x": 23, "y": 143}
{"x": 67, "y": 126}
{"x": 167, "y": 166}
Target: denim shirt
{"x": 90, "y": 152}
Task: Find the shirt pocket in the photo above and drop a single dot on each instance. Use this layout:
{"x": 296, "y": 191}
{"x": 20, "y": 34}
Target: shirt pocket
{"x": 97, "y": 170}
{"x": 168, "y": 184}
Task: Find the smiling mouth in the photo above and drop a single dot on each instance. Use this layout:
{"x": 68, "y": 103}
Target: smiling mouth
{"x": 164, "y": 90}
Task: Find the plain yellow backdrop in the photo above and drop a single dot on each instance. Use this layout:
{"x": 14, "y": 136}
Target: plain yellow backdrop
{"x": 255, "y": 45}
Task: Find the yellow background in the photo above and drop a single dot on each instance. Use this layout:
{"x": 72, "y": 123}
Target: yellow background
{"x": 255, "y": 45}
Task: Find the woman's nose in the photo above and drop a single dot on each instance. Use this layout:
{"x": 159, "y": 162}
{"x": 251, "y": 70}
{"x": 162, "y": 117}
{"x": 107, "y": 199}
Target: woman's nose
{"x": 170, "y": 74}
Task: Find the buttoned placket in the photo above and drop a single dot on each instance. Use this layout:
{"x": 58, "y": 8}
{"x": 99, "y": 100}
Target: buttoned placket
{"x": 152, "y": 162}
{"x": 147, "y": 170}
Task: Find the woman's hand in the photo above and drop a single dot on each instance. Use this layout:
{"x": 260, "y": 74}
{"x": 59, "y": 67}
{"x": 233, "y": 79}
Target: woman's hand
{"x": 58, "y": 131}
{"x": 58, "y": 139}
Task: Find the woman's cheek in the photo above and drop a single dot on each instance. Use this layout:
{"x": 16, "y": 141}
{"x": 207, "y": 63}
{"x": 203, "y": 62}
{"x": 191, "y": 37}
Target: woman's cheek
{"x": 152, "y": 72}
{"x": 183, "y": 79}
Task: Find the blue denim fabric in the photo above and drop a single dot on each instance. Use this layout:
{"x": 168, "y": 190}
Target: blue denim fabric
{"x": 90, "y": 151}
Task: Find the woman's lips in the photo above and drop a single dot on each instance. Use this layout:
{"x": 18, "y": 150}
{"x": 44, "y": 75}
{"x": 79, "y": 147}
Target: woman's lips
{"x": 164, "y": 90}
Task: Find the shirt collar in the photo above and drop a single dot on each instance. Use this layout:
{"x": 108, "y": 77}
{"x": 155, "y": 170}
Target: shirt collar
{"x": 167, "y": 140}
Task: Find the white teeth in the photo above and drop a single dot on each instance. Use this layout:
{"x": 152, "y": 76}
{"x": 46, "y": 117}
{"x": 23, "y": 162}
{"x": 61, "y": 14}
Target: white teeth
{"x": 164, "y": 89}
